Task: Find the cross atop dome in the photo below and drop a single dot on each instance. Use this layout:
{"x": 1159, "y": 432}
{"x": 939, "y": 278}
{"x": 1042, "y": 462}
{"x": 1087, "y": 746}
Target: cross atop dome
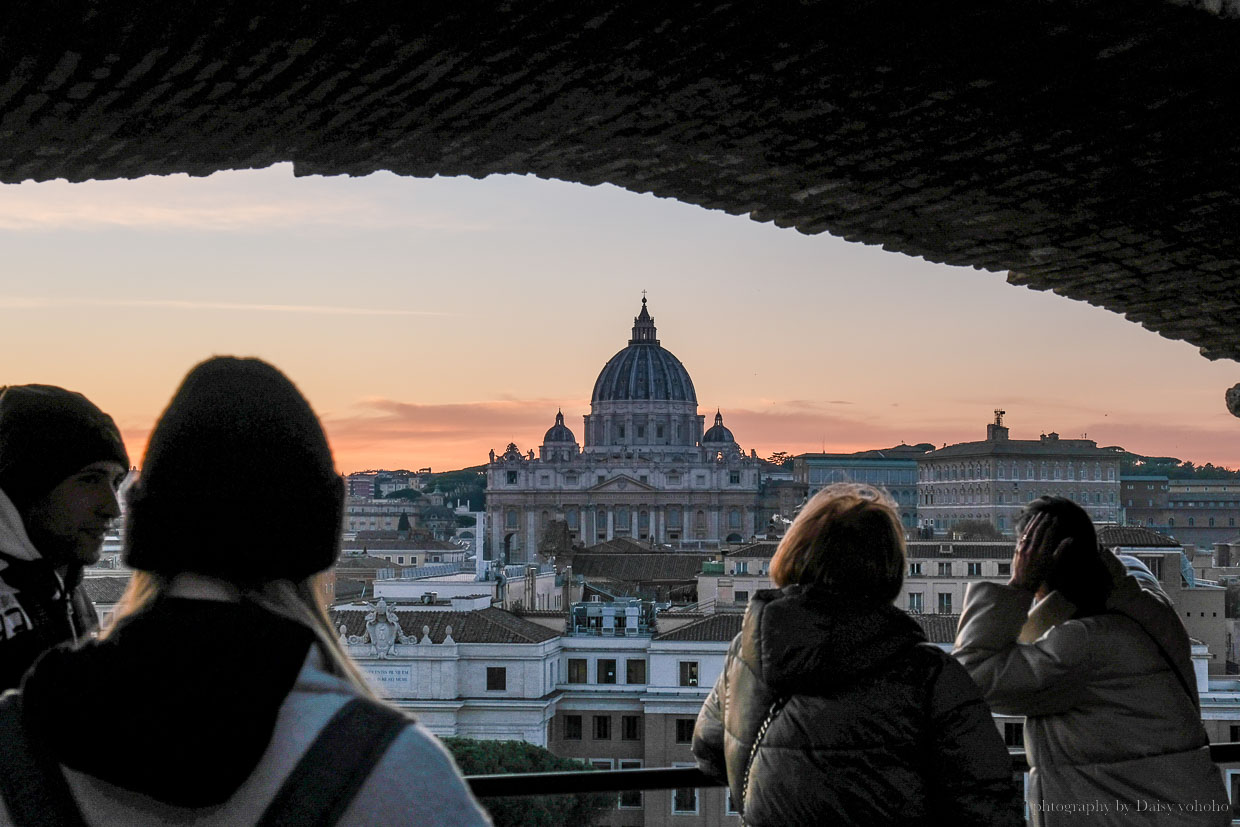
{"x": 643, "y": 326}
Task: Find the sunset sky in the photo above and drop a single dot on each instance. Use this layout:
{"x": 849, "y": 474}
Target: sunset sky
{"x": 430, "y": 320}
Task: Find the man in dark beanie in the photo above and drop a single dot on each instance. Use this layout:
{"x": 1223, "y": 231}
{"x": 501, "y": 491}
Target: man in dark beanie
{"x": 61, "y": 463}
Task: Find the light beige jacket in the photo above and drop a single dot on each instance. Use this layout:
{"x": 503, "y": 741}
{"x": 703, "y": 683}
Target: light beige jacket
{"x": 1113, "y": 736}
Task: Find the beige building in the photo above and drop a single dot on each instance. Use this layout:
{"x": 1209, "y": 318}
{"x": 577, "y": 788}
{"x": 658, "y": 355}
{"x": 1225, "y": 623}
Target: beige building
{"x": 992, "y": 480}
{"x": 645, "y": 469}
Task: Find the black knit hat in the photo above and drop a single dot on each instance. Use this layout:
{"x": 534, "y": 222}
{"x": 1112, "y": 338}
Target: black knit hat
{"x": 237, "y": 482}
{"x": 48, "y": 434}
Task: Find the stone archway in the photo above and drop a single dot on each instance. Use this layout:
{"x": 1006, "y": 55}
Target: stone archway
{"x": 921, "y": 136}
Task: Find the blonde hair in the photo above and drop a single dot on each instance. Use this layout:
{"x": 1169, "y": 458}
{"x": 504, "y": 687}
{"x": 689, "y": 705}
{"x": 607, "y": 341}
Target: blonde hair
{"x": 296, "y": 601}
{"x": 848, "y": 538}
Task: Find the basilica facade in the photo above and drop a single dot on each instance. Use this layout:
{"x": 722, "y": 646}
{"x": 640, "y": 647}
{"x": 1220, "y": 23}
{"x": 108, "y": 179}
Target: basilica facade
{"x": 645, "y": 468}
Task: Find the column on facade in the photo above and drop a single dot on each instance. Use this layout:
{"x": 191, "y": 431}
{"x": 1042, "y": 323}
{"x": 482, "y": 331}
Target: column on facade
{"x": 713, "y": 517}
{"x": 497, "y": 534}
{"x": 530, "y": 544}
{"x": 747, "y": 527}
{"x": 611, "y": 522}
{"x": 659, "y": 532}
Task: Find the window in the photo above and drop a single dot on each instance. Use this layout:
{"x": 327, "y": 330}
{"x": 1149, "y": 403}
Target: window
{"x": 577, "y": 670}
{"x": 620, "y": 431}
{"x": 1154, "y": 564}
{"x": 511, "y": 477}
{"x": 572, "y": 727}
{"x": 658, "y": 431}
{"x": 741, "y": 596}
{"x": 635, "y": 671}
{"x": 684, "y": 730}
{"x": 914, "y": 569}
{"x": 1005, "y": 569}
{"x": 673, "y": 478}
{"x": 630, "y": 727}
{"x": 1014, "y": 735}
{"x": 975, "y": 569}
{"x": 497, "y": 678}
{"x": 688, "y": 673}
{"x": 945, "y": 569}
{"x": 602, "y": 727}
{"x": 630, "y": 799}
{"x": 734, "y": 477}
{"x": 1233, "y": 733}
{"x": 915, "y": 603}
{"x": 605, "y": 671}
{"x": 684, "y": 799}
{"x": 602, "y": 478}
{"x": 641, "y": 432}
{"x": 945, "y": 603}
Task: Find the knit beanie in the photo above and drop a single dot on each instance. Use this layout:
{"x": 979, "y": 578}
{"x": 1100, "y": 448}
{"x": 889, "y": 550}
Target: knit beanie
{"x": 48, "y": 434}
{"x": 237, "y": 481}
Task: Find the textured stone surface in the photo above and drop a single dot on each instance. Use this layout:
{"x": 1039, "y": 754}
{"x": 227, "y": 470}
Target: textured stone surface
{"x": 1087, "y": 147}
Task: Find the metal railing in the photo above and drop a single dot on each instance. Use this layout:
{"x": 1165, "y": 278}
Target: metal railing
{"x": 671, "y": 778}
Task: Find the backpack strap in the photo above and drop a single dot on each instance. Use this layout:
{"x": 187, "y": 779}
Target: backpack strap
{"x": 35, "y": 790}
{"x": 327, "y": 778}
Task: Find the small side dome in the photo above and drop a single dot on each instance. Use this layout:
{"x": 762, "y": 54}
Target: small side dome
{"x": 559, "y": 432}
{"x": 718, "y": 434}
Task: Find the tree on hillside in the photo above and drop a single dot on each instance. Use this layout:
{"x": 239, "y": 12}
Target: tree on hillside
{"x": 780, "y": 458}
{"x": 494, "y": 757}
{"x": 467, "y": 484}
{"x": 976, "y": 530}
{"x": 410, "y": 494}
{"x": 1173, "y": 468}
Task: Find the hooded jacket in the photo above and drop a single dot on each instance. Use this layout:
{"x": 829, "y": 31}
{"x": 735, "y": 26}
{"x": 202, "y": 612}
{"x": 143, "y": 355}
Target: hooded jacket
{"x": 879, "y": 727}
{"x": 37, "y": 609}
{"x": 1110, "y": 702}
{"x": 194, "y": 712}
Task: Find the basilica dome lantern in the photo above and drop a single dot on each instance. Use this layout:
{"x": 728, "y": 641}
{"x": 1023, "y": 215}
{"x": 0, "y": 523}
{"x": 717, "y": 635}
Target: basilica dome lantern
{"x": 643, "y": 398}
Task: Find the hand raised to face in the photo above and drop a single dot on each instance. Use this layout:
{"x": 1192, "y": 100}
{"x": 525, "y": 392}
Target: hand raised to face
{"x": 1031, "y": 564}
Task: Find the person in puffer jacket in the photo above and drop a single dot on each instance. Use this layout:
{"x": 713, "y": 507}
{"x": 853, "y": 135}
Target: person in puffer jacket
{"x": 832, "y": 708}
{"x": 1100, "y": 664}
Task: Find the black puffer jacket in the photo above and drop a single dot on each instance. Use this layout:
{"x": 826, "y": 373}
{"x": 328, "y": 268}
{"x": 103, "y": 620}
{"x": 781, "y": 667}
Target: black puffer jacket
{"x": 879, "y": 727}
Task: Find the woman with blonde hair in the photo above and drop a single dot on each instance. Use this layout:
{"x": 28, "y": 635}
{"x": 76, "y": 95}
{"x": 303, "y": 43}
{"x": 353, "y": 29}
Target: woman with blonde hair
{"x": 832, "y": 708}
{"x": 220, "y": 696}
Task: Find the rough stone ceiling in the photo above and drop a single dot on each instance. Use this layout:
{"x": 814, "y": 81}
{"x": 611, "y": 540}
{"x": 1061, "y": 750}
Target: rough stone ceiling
{"x": 1088, "y": 146}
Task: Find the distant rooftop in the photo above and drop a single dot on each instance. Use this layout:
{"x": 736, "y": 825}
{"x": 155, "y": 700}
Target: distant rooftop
{"x": 1129, "y": 536}
{"x": 105, "y": 588}
{"x": 763, "y": 549}
{"x": 938, "y": 628}
{"x": 482, "y": 626}
{"x": 716, "y": 627}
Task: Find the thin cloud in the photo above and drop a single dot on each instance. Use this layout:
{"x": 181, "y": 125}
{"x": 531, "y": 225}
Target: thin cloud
{"x": 228, "y": 203}
{"x": 34, "y": 302}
